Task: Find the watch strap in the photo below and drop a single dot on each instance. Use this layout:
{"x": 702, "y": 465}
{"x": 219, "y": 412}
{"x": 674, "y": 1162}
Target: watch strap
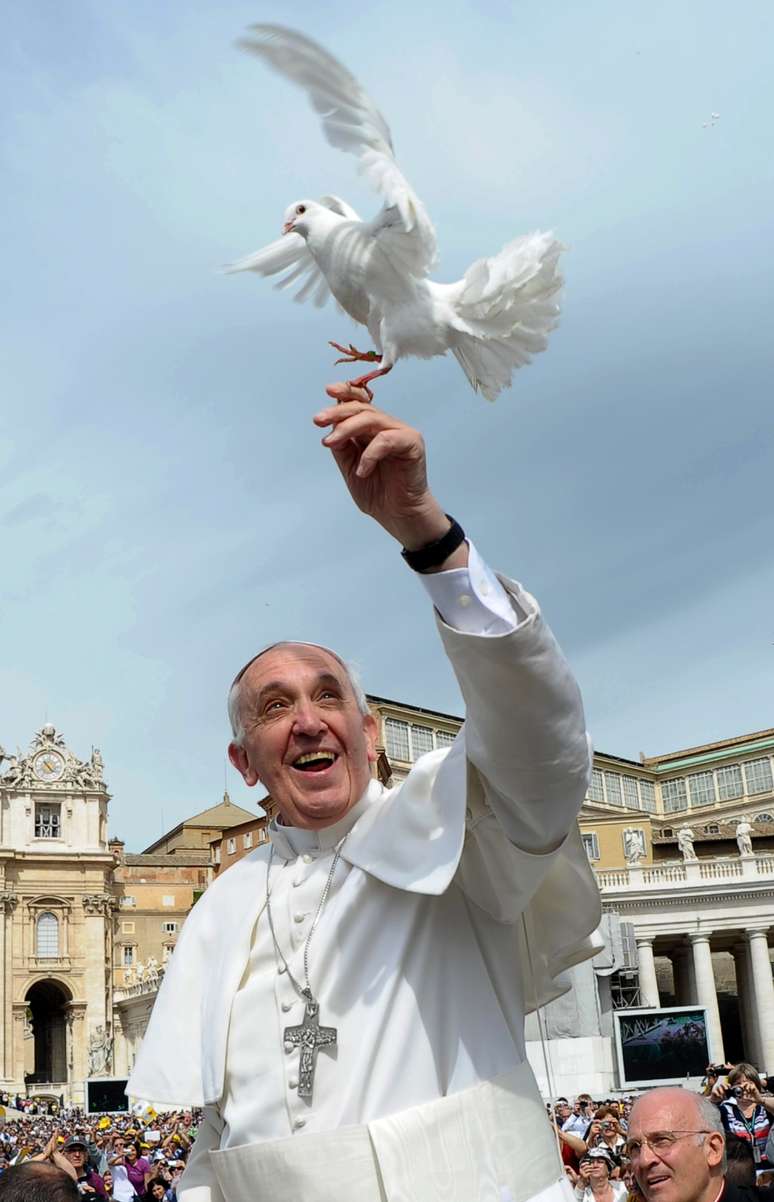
{"x": 435, "y": 553}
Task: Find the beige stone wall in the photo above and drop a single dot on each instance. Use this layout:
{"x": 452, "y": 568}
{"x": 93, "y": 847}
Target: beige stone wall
{"x": 238, "y": 841}
{"x": 162, "y": 896}
{"x": 609, "y": 833}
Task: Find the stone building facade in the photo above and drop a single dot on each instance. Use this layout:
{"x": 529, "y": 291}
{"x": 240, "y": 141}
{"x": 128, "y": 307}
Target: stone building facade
{"x": 81, "y": 922}
{"x": 58, "y": 903}
{"x": 683, "y": 848}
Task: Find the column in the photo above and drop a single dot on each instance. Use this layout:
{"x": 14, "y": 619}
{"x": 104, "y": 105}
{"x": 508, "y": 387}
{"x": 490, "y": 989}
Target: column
{"x": 77, "y": 1052}
{"x": 685, "y": 984}
{"x": 5, "y": 989}
{"x": 8, "y": 902}
{"x": 647, "y": 966}
{"x": 746, "y": 1003}
{"x": 763, "y": 992}
{"x": 706, "y": 995}
{"x": 17, "y": 1050}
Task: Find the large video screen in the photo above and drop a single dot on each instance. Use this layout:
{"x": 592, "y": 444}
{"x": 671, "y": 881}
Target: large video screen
{"x": 106, "y": 1094}
{"x": 661, "y": 1047}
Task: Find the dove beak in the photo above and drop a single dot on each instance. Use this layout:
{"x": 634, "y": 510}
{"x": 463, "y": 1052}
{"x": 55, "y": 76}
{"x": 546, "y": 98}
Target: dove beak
{"x": 287, "y": 227}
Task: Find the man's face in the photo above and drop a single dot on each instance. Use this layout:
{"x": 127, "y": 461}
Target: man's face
{"x": 77, "y": 1157}
{"x": 305, "y": 739}
{"x": 690, "y": 1169}
{"x": 562, "y": 1111}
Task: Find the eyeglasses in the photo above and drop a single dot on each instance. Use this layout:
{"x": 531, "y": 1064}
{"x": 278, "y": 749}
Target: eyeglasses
{"x": 660, "y": 1142}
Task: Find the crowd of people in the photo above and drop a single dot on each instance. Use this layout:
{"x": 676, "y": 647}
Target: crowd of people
{"x": 125, "y": 1157}
{"x": 601, "y": 1157}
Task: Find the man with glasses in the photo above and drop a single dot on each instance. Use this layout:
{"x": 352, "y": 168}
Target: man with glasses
{"x": 677, "y": 1147}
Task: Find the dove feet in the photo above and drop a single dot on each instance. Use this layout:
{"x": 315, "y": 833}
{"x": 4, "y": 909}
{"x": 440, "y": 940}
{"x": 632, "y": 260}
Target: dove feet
{"x": 353, "y": 355}
{"x": 364, "y": 381}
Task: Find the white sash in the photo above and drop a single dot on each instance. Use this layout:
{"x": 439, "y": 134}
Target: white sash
{"x": 489, "y": 1143}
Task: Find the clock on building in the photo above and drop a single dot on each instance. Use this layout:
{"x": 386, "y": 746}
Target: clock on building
{"x": 48, "y": 766}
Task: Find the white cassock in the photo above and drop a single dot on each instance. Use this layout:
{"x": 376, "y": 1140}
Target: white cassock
{"x": 459, "y": 899}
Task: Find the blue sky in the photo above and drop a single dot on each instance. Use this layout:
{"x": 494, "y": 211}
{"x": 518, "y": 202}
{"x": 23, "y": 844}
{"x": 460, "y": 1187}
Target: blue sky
{"x": 165, "y": 505}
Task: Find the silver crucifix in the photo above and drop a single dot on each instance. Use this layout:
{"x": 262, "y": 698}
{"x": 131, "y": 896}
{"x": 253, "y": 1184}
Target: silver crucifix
{"x": 309, "y": 1036}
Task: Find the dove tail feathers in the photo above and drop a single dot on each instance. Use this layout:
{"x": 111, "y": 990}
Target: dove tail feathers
{"x": 505, "y": 309}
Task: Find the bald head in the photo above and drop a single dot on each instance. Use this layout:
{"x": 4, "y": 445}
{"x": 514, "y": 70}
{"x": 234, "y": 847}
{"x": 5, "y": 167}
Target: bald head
{"x": 677, "y": 1146}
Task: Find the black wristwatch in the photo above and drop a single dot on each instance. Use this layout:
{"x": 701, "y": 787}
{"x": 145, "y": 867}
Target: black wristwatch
{"x": 435, "y": 553}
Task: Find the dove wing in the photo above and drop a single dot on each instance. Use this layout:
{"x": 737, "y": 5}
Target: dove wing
{"x": 337, "y": 205}
{"x": 352, "y": 122}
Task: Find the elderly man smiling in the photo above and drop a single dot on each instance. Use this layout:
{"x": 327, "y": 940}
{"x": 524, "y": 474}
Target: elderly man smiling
{"x": 348, "y": 1004}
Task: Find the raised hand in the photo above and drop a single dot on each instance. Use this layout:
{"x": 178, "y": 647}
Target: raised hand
{"x": 384, "y": 464}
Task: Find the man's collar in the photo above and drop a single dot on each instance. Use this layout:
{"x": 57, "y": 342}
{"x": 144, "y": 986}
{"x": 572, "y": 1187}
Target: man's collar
{"x": 292, "y": 841}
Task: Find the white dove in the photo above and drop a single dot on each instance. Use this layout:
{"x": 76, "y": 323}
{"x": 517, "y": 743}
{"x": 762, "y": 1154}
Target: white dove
{"x": 492, "y": 320}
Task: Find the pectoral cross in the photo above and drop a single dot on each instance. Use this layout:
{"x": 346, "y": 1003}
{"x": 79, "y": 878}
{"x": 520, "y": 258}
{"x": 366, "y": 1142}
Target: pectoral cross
{"x": 309, "y": 1036}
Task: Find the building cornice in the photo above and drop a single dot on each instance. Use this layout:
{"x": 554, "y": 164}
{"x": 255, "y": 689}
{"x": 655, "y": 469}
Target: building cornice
{"x": 729, "y": 748}
{"x": 643, "y": 902}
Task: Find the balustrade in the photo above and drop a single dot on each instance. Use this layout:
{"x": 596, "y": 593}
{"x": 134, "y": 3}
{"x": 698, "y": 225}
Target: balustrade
{"x": 656, "y": 876}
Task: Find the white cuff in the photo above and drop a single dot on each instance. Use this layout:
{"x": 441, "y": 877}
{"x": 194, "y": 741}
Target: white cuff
{"x": 471, "y": 599}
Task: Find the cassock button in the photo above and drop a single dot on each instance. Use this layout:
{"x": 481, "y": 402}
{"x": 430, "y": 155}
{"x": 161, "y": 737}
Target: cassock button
{"x": 297, "y": 882}
{"x": 280, "y": 969}
{"x": 464, "y": 600}
{"x": 293, "y": 1084}
{"x": 288, "y": 1048}
{"x": 299, "y": 1123}
{"x": 306, "y": 858}
{"x": 287, "y": 1006}
{"x": 299, "y": 917}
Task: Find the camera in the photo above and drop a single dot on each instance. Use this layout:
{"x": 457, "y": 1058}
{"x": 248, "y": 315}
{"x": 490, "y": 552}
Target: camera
{"x": 716, "y": 1070}
{"x": 736, "y": 1091}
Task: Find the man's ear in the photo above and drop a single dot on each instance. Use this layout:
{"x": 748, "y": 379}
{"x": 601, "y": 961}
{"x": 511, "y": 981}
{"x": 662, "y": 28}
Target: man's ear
{"x": 238, "y": 758}
{"x": 715, "y": 1145}
{"x": 371, "y": 731}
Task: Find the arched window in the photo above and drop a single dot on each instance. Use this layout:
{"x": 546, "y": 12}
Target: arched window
{"x": 763, "y": 818}
{"x": 47, "y": 936}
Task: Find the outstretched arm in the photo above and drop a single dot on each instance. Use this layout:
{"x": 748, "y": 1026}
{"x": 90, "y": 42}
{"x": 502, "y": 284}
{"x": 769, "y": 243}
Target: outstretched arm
{"x": 524, "y": 719}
